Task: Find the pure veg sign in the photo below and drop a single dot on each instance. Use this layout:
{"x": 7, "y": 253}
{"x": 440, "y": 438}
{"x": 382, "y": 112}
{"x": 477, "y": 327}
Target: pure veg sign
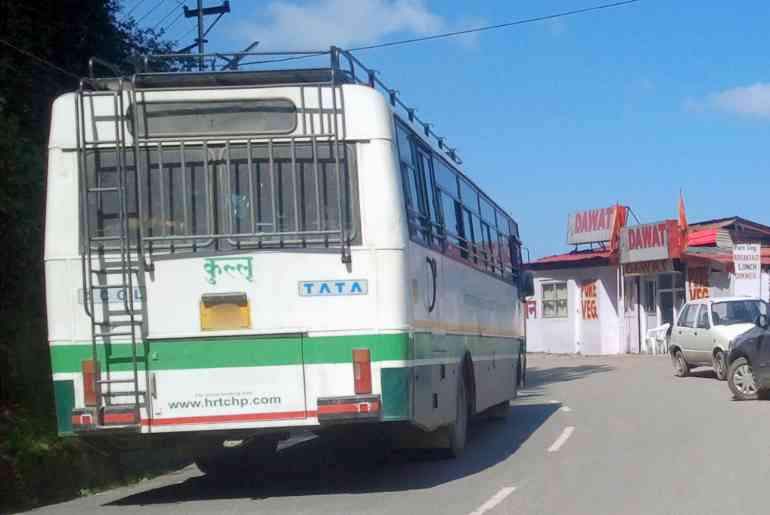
{"x": 589, "y": 304}
{"x": 747, "y": 269}
{"x": 591, "y": 226}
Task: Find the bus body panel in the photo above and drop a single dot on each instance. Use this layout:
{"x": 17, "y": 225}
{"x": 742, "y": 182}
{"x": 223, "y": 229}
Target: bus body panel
{"x": 299, "y": 346}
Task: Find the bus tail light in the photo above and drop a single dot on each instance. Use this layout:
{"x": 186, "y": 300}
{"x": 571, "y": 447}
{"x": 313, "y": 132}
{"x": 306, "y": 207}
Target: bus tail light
{"x": 362, "y": 371}
{"x": 90, "y": 369}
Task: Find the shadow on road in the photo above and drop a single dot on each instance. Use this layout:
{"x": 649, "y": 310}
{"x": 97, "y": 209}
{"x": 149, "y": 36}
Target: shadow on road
{"x": 320, "y": 467}
{"x": 538, "y": 377}
{"x": 706, "y": 373}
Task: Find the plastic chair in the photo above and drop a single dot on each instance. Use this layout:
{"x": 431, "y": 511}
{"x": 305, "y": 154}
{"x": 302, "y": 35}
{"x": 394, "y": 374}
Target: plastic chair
{"x": 656, "y": 340}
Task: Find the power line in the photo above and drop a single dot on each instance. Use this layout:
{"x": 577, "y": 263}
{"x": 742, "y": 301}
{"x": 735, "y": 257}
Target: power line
{"x": 152, "y": 10}
{"x": 174, "y": 21}
{"x": 140, "y": 2}
{"x": 164, "y": 18}
{"x": 191, "y": 29}
{"x": 497, "y": 26}
{"x": 39, "y": 59}
{"x": 461, "y": 32}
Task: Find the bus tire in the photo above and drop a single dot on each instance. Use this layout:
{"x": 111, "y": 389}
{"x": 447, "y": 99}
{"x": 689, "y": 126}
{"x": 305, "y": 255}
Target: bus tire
{"x": 458, "y": 430}
{"x": 499, "y": 411}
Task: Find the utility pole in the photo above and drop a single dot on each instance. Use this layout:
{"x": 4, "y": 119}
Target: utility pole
{"x": 201, "y": 12}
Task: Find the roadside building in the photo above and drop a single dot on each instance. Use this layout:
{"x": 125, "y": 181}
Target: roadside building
{"x": 621, "y": 281}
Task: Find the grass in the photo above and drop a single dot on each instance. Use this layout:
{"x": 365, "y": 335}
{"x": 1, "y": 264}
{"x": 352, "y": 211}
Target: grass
{"x": 38, "y": 467}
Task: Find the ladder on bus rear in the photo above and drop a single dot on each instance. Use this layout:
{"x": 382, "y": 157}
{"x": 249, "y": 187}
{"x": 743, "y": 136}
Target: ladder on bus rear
{"x": 112, "y": 267}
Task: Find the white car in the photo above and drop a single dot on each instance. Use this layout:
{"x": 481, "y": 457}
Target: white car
{"x": 706, "y": 328}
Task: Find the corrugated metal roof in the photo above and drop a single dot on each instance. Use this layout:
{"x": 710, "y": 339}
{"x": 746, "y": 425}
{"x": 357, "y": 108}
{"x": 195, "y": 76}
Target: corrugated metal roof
{"x": 571, "y": 257}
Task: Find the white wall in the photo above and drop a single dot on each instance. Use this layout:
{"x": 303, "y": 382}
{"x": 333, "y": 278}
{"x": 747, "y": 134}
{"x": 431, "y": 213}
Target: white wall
{"x": 573, "y": 334}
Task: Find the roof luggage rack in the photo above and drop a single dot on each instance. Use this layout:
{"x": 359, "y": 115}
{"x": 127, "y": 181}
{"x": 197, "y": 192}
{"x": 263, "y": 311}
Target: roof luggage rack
{"x": 176, "y": 71}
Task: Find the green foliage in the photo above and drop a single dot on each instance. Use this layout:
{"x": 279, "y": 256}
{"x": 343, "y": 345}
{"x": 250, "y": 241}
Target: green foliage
{"x": 65, "y": 33}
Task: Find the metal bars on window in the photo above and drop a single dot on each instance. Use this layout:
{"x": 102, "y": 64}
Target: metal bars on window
{"x": 225, "y": 191}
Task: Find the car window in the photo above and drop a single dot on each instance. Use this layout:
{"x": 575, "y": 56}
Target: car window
{"x": 703, "y": 318}
{"x": 737, "y": 311}
{"x": 689, "y": 319}
{"x": 681, "y": 322}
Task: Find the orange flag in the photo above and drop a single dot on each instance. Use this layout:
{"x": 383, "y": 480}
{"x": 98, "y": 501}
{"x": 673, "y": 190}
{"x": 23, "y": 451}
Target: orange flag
{"x": 621, "y": 216}
{"x": 682, "y": 220}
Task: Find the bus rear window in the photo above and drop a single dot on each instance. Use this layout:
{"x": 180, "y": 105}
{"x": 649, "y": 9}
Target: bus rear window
{"x": 209, "y": 118}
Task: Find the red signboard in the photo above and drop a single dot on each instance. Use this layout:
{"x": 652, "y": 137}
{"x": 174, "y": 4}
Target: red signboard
{"x": 589, "y": 301}
{"x": 698, "y": 279}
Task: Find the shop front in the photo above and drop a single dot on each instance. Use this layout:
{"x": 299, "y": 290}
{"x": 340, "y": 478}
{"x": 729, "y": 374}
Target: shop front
{"x": 620, "y": 282}
{"x": 653, "y": 278}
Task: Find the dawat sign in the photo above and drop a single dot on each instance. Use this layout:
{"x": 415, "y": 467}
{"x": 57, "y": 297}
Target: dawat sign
{"x": 591, "y": 226}
{"x": 648, "y": 242}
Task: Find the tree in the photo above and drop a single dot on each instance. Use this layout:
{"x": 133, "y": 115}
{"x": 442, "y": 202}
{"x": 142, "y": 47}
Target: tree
{"x": 63, "y": 33}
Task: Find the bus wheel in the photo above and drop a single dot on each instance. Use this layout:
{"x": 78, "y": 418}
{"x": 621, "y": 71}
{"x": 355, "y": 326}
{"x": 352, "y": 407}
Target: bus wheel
{"x": 499, "y": 411}
{"x": 458, "y": 431}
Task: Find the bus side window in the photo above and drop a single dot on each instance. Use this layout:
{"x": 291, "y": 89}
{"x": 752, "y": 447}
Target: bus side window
{"x": 464, "y": 226}
{"x": 428, "y": 217}
{"x": 406, "y": 162}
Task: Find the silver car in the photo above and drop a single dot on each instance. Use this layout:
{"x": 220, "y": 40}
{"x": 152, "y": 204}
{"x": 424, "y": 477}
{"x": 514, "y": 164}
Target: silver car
{"x": 706, "y": 328}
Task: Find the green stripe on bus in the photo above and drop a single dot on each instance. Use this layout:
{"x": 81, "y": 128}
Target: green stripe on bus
{"x": 64, "y": 398}
{"x": 232, "y": 352}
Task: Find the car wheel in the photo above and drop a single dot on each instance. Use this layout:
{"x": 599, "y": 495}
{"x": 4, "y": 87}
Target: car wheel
{"x": 740, "y": 379}
{"x": 680, "y": 365}
{"x": 719, "y": 365}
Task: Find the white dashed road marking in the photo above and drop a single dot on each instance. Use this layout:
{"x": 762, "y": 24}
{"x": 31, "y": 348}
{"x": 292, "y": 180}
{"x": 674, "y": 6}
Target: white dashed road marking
{"x": 566, "y": 408}
{"x": 562, "y": 438}
{"x": 494, "y": 500}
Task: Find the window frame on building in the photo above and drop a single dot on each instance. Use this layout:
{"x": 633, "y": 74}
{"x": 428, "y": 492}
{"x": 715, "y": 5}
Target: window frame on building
{"x": 555, "y": 285}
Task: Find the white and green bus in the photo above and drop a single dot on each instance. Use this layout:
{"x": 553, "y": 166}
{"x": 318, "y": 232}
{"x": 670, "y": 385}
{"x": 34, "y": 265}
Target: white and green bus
{"x": 235, "y": 255}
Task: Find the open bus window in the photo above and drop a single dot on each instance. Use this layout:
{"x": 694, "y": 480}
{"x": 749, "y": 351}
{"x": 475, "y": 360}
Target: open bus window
{"x": 212, "y": 117}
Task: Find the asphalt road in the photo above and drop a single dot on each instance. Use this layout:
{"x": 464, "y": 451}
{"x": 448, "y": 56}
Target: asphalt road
{"x": 596, "y": 435}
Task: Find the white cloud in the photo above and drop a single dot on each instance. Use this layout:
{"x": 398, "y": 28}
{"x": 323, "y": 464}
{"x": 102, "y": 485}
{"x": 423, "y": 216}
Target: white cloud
{"x": 344, "y": 23}
{"x": 747, "y": 101}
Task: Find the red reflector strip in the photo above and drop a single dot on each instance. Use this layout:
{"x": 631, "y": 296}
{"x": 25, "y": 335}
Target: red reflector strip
{"x": 353, "y": 407}
{"x": 82, "y": 420}
{"x": 120, "y": 418}
{"x": 90, "y": 376}
{"x": 362, "y": 371}
{"x": 216, "y": 419}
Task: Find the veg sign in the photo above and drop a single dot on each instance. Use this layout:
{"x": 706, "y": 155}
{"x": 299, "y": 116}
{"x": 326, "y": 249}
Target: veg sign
{"x": 589, "y": 304}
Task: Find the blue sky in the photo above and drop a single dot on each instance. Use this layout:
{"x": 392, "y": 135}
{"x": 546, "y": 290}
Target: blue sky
{"x": 629, "y": 104}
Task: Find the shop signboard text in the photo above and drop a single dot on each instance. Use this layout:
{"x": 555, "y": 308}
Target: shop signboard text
{"x": 591, "y": 226}
{"x": 589, "y": 304}
{"x": 747, "y": 270}
{"x": 647, "y": 242}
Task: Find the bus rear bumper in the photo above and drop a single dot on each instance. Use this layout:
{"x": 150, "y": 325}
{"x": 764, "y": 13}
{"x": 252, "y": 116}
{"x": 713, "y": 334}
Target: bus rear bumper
{"x": 354, "y": 408}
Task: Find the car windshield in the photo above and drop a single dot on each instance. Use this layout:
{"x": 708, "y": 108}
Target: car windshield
{"x": 737, "y": 311}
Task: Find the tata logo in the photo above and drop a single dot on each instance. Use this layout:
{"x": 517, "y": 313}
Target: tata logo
{"x": 333, "y": 288}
